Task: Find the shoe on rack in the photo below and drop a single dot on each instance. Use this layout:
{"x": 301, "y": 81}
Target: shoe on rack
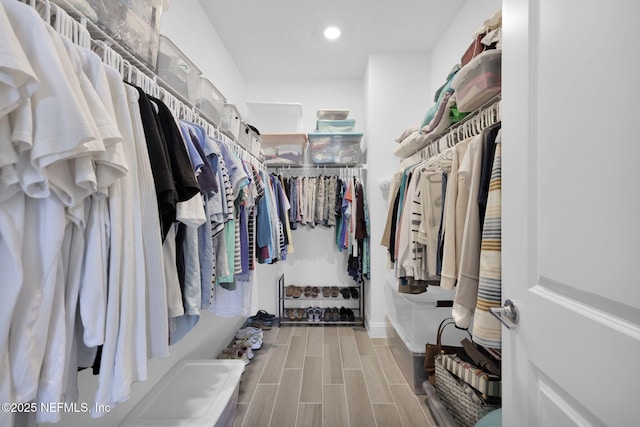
{"x": 299, "y": 313}
{"x": 310, "y": 314}
{"x": 314, "y": 292}
{"x": 343, "y": 314}
{"x": 289, "y": 313}
{"x": 350, "y": 315}
{"x": 346, "y": 293}
{"x": 326, "y": 291}
{"x": 326, "y": 315}
{"x": 317, "y": 313}
{"x": 335, "y": 314}
{"x": 335, "y": 291}
{"x": 307, "y": 291}
{"x": 354, "y": 292}
{"x": 289, "y": 291}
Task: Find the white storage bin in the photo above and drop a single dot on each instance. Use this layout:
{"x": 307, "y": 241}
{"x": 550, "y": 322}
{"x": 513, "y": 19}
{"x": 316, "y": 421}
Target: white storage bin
{"x": 478, "y": 81}
{"x": 338, "y": 148}
{"x": 231, "y": 120}
{"x": 256, "y": 145}
{"x": 209, "y": 100}
{"x": 332, "y": 114}
{"x": 329, "y": 126}
{"x": 284, "y": 148}
{"x": 275, "y": 117}
{"x": 244, "y": 139}
{"x": 195, "y": 393}
{"x": 177, "y": 70}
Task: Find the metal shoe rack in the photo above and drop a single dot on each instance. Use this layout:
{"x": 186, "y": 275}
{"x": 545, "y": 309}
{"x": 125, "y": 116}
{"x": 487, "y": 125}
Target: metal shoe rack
{"x": 303, "y": 302}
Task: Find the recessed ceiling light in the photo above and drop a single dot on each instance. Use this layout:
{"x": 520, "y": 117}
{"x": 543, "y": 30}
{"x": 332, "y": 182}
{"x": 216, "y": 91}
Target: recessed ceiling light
{"x": 332, "y": 33}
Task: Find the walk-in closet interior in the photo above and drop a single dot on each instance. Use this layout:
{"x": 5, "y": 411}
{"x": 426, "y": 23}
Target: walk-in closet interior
{"x": 211, "y": 214}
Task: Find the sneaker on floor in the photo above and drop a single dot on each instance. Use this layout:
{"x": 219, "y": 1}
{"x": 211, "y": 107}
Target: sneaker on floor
{"x": 254, "y": 342}
{"x": 263, "y": 315}
{"x": 248, "y": 332}
{"x": 228, "y": 353}
{"x": 265, "y": 326}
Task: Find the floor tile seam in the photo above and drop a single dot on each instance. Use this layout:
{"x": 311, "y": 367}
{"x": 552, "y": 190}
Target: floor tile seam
{"x": 366, "y": 385}
{"x": 384, "y": 372}
{"x": 416, "y": 399}
{"x": 244, "y": 421}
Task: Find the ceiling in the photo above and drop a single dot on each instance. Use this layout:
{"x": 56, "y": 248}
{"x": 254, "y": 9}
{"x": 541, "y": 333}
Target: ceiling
{"x": 282, "y": 39}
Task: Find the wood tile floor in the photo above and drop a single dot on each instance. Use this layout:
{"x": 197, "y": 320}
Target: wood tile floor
{"x": 326, "y": 376}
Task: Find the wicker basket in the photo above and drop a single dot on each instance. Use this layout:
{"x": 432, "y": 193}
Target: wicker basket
{"x": 462, "y": 402}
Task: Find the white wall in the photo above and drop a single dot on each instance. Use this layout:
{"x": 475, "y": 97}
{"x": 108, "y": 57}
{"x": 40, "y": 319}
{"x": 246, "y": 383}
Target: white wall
{"x": 188, "y": 26}
{"x": 457, "y": 38}
{"x": 397, "y": 88}
{"x": 313, "y": 95}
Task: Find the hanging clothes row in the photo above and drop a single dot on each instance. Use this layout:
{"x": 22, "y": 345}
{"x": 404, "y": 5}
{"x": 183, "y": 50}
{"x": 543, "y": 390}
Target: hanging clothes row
{"x": 443, "y": 228}
{"x": 331, "y": 198}
{"x": 120, "y": 220}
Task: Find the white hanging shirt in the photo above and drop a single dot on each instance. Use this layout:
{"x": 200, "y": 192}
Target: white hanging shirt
{"x": 17, "y": 79}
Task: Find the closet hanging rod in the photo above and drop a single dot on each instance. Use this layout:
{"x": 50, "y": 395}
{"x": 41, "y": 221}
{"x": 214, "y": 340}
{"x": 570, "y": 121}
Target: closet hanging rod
{"x": 491, "y": 103}
{"x": 318, "y": 167}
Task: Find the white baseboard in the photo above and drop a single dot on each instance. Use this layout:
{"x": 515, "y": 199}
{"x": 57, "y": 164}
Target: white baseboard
{"x": 377, "y": 329}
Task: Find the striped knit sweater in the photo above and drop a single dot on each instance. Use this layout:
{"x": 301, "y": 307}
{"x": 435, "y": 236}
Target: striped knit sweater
{"x": 486, "y": 328}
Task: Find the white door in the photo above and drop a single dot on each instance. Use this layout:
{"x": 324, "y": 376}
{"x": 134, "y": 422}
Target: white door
{"x": 571, "y": 212}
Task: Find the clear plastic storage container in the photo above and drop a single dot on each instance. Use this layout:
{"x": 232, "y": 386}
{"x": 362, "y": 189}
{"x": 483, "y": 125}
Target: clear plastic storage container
{"x": 209, "y": 100}
{"x": 332, "y": 114}
{"x": 338, "y": 148}
{"x": 177, "y": 70}
{"x": 478, "y": 81}
{"x": 231, "y": 120}
{"x": 331, "y": 126}
{"x": 283, "y": 148}
{"x": 244, "y": 139}
{"x": 134, "y": 24}
{"x": 256, "y": 145}
{"x": 195, "y": 393}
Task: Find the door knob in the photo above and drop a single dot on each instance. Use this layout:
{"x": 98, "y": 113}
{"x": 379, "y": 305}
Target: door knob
{"x": 507, "y": 315}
